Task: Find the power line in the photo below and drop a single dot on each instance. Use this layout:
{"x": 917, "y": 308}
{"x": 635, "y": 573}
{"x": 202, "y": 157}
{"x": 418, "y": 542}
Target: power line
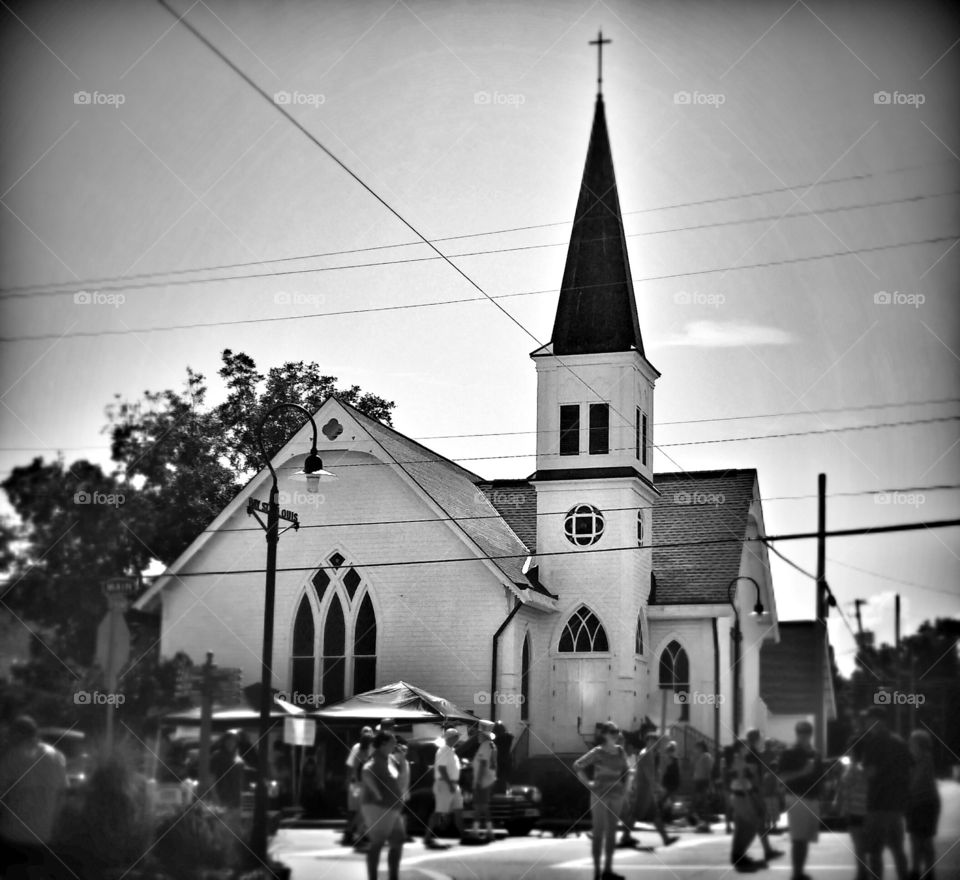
{"x": 894, "y": 580}
{"x": 546, "y": 432}
{"x": 162, "y": 278}
{"x": 491, "y": 297}
{"x": 492, "y": 558}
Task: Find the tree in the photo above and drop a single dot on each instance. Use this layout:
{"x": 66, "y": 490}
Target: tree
{"x": 178, "y": 462}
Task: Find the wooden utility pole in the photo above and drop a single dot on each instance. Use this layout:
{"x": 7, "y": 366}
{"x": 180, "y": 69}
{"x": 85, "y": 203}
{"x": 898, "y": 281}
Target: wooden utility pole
{"x": 897, "y": 711}
{"x": 820, "y": 624}
{"x": 206, "y": 725}
{"x": 857, "y": 603}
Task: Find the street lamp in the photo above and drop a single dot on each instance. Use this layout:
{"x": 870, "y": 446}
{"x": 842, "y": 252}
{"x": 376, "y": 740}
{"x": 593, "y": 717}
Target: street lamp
{"x": 757, "y": 612}
{"x": 313, "y": 473}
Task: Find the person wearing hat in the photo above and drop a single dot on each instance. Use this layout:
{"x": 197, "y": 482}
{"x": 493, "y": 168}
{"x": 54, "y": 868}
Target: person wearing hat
{"x": 801, "y": 771}
{"x": 33, "y": 779}
{"x": 484, "y": 777}
{"x": 446, "y": 789}
{"x": 360, "y": 753}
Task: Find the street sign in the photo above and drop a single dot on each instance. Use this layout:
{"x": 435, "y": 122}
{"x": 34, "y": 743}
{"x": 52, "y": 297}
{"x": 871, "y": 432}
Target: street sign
{"x": 123, "y": 586}
{"x": 113, "y": 645}
{"x": 264, "y": 507}
{"x": 299, "y": 731}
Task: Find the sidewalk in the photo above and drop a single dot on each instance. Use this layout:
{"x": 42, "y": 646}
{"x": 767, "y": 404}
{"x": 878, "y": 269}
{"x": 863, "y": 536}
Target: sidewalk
{"x": 315, "y": 854}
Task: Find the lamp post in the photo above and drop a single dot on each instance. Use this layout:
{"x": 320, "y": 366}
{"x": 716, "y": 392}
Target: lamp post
{"x": 757, "y": 611}
{"x": 313, "y": 472}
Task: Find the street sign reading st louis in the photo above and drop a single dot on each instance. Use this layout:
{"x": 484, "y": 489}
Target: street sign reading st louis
{"x": 254, "y": 504}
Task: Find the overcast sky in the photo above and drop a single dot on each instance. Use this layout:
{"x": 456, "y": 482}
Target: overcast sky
{"x": 788, "y": 174}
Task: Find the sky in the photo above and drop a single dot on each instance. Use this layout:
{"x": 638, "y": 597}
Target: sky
{"x": 788, "y": 174}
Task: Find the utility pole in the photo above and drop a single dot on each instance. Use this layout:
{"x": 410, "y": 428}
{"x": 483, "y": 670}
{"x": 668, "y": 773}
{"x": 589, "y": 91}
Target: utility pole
{"x": 820, "y": 624}
{"x": 896, "y": 671}
{"x": 857, "y": 603}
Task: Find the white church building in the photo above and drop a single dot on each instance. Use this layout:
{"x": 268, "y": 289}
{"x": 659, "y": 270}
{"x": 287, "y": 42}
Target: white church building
{"x": 593, "y": 589}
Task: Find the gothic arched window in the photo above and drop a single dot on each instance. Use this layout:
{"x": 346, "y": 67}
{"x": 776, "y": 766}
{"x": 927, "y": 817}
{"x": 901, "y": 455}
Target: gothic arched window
{"x": 304, "y": 651}
{"x": 583, "y": 633}
{"x": 525, "y": 679}
{"x": 639, "y": 646}
{"x": 675, "y": 675}
{"x": 365, "y": 648}
{"x": 334, "y": 653}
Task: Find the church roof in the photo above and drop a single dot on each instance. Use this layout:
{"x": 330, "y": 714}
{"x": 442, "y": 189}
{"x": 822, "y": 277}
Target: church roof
{"x": 694, "y": 507}
{"x": 788, "y": 671}
{"x": 597, "y": 311}
{"x": 457, "y": 492}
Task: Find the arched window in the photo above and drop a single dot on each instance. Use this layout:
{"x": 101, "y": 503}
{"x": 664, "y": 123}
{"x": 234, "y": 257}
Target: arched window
{"x": 639, "y": 528}
{"x": 365, "y": 648}
{"x": 583, "y": 633}
{"x": 304, "y": 651}
{"x": 639, "y": 646}
{"x": 334, "y": 653}
{"x": 675, "y": 675}
{"x": 525, "y": 679}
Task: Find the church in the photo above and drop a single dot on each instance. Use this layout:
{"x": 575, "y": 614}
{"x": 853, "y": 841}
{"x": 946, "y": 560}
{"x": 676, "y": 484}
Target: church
{"x": 592, "y": 589}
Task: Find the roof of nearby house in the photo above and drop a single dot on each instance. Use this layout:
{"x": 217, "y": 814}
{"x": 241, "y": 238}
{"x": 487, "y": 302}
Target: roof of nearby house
{"x": 459, "y": 494}
{"x": 699, "y": 520}
{"x": 788, "y": 671}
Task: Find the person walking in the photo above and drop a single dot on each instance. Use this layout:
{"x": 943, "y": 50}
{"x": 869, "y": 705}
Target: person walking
{"x": 484, "y": 777}
{"x": 744, "y": 792}
{"x": 360, "y": 753}
{"x": 647, "y": 803}
{"x": 447, "y": 797}
{"x": 851, "y": 802}
{"x": 381, "y": 803}
{"x": 33, "y": 779}
{"x": 801, "y": 771}
{"x": 504, "y": 741}
{"x": 669, "y": 781}
{"x": 228, "y": 771}
{"x": 923, "y": 806}
{"x": 752, "y": 755}
{"x": 628, "y": 816}
{"x": 702, "y": 775}
{"x": 607, "y": 789}
{"x": 887, "y": 764}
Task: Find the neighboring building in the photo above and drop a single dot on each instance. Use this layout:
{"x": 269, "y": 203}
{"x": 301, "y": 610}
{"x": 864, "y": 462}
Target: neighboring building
{"x": 788, "y": 680}
{"x": 594, "y": 589}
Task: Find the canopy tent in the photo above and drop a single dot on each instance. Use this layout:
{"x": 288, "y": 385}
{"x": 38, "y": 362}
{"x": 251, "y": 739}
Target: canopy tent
{"x": 402, "y": 701}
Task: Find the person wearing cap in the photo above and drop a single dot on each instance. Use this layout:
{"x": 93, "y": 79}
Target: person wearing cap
{"x": 801, "y": 772}
{"x": 646, "y": 786}
{"x": 446, "y": 789}
{"x": 33, "y": 779}
{"x": 484, "y": 777}
{"x": 608, "y": 761}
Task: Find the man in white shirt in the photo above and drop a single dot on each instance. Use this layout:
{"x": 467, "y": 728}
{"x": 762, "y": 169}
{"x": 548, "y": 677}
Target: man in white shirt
{"x": 446, "y": 789}
{"x": 484, "y": 777}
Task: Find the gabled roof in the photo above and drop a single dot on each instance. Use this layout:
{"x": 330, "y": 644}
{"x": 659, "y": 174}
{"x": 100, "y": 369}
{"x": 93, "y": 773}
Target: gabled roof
{"x": 695, "y": 507}
{"x": 788, "y": 671}
{"x": 516, "y": 501}
{"x": 401, "y": 701}
{"x": 597, "y": 311}
{"x": 457, "y": 492}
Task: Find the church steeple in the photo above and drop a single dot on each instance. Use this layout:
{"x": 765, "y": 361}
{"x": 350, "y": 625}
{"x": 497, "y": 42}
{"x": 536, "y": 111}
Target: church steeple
{"x": 597, "y": 311}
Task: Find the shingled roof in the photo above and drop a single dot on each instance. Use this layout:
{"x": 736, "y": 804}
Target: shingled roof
{"x": 695, "y": 507}
{"x": 788, "y": 671}
{"x": 458, "y": 493}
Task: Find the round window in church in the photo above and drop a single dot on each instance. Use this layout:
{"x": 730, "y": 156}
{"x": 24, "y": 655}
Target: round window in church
{"x": 583, "y": 525}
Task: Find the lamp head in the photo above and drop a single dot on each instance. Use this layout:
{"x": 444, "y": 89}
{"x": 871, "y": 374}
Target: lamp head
{"x": 313, "y": 472}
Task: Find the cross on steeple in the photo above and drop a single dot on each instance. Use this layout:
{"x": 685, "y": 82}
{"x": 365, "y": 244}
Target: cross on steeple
{"x": 599, "y": 43}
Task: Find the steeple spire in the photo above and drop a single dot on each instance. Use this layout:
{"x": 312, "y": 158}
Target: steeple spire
{"x": 597, "y": 311}
{"x": 599, "y": 42}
